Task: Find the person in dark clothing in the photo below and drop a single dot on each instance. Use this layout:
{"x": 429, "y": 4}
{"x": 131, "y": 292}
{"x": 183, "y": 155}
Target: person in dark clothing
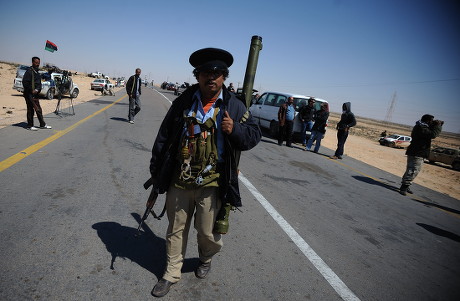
{"x": 195, "y": 159}
{"x": 307, "y": 114}
{"x": 32, "y": 83}
{"x": 133, "y": 88}
{"x": 319, "y": 128}
{"x": 347, "y": 120}
{"x": 286, "y": 115}
{"x": 423, "y": 132}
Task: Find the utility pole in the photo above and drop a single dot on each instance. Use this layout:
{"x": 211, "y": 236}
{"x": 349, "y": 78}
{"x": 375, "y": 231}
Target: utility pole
{"x": 391, "y": 109}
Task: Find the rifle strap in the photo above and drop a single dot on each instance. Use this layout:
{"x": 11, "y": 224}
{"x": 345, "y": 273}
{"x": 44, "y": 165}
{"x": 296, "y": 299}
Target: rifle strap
{"x": 158, "y": 217}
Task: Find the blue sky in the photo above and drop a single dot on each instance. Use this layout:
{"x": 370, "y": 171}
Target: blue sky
{"x": 362, "y": 51}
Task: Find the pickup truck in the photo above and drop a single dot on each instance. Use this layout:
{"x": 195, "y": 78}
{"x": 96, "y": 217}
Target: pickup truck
{"x": 96, "y": 74}
{"x": 449, "y": 156}
{"x": 49, "y": 86}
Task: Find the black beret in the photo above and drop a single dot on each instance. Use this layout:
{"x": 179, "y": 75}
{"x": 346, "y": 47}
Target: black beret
{"x": 211, "y": 59}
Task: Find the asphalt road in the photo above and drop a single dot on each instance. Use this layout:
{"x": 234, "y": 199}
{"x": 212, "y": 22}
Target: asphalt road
{"x": 310, "y": 228}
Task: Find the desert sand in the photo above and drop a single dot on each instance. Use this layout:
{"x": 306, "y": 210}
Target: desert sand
{"x": 362, "y": 143}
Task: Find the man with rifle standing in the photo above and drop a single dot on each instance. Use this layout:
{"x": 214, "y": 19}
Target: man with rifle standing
{"x": 195, "y": 159}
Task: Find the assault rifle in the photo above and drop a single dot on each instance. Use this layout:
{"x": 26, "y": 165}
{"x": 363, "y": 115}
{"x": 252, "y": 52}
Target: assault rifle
{"x": 150, "y": 202}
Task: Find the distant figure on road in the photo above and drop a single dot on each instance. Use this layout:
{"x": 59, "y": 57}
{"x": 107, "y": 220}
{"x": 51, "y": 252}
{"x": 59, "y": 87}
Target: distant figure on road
{"x": 194, "y": 159}
{"x": 347, "y": 120}
{"x": 231, "y": 88}
{"x": 307, "y": 114}
{"x": 133, "y": 88}
{"x": 286, "y": 114}
{"x": 318, "y": 129}
{"x": 32, "y": 83}
{"x": 423, "y": 132}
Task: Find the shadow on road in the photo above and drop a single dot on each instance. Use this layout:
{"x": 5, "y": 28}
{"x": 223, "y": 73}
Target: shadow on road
{"x": 147, "y": 249}
{"x": 119, "y": 119}
{"x": 374, "y": 182}
{"x": 440, "y": 232}
{"x": 437, "y": 206}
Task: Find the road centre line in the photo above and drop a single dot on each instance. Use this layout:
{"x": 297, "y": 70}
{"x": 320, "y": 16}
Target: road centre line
{"x": 33, "y": 148}
{"x": 337, "y": 284}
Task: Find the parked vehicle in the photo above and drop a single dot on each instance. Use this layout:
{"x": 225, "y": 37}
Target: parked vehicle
{"x": 171, "y": 87}
{"x": 100, "y": 83}
{"x": 21, "y": 70}
{"x": 181, "y": 88}
{"x": 96, "y": 74}
{"x": 449, "y": 156}
{"x": 49, "y": 85}
{"x": 265, "y": 110}
{"x": 395, "y": 140}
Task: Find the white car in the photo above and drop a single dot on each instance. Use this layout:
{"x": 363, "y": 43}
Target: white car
{"x": 395, "y": 140}
{"x": 49, "y": 86}
{"x": 100, "y": 83}
{"x": 265, "y": 110}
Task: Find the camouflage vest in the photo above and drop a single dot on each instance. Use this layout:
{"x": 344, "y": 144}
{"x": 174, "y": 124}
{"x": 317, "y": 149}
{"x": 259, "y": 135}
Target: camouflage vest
{"x": 198, "y": 153}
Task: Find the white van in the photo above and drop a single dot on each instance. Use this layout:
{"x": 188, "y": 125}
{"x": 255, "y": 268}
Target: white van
{"x": 265, "y": 110}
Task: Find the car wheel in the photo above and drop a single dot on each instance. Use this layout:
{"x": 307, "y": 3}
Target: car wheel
{"x": 50, "y": 94}
{"x": 456, "y": 165}
{"x": 75, "y": 93}
{"x": 392, "y": 144}
{"x": 274, "y": 129}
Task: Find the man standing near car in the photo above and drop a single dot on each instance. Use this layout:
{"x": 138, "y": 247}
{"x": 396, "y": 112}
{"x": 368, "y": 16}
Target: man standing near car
{"x": 306, "y": 114}
{"x": 423, "y": 132}
{"x": 194, "y": 159}
{"x": 286, "y": 114}
{"x": 32, "y": 83}
{"x": 347, "y": 120}
{"x": 133, "y": 88}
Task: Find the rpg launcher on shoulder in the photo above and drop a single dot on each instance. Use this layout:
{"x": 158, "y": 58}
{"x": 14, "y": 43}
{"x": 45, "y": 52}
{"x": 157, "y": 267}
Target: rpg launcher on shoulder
{"x": 150, "y": 202}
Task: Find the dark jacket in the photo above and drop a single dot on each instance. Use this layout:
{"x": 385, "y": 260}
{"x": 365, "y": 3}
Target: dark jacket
{"x": 29, "y": 76}
{"x": 307, "y": 113}
{"x": 347, "y": 120}
{"x": 421, "y": 135}
{"x": 131, "y": 85}
{"x": 246, "y": 134}
{"x": 320, "y": 121}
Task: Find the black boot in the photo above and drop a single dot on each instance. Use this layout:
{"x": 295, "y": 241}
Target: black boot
{"x": 161, "y": 288}
{"x": 202, "y": 270}
{"x": 403, "y": 189}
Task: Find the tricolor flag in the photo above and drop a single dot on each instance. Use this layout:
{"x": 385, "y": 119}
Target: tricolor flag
{"x": 50, "y": 46}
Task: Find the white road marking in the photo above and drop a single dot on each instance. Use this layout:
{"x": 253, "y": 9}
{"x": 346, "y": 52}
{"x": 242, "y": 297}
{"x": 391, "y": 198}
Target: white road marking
{"x": 337, "y": 284}
{"x": 162, "y": 95}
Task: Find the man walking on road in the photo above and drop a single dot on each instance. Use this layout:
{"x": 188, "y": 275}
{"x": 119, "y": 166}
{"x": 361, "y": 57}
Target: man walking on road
{"x": 32, "y": 83}
{"x": 133, "y": 88}
{"x": 195, "y": 159}
{"x": 423, "y": 132}
{"x": 347, "y": 120}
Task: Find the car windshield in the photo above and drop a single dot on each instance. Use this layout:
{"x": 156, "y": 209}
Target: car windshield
{"x": 300, "y": 102}
{"x": 99, "y": 81}
{"x": 394, "y": 136}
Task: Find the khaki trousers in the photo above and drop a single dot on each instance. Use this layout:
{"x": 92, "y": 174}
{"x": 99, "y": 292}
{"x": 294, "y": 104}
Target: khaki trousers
{"x": 181, "y": 205}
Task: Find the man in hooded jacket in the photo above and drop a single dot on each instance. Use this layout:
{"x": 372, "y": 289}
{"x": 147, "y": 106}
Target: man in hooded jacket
{"x": 347, "y": 120}
{"x": 423, "y": 132}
